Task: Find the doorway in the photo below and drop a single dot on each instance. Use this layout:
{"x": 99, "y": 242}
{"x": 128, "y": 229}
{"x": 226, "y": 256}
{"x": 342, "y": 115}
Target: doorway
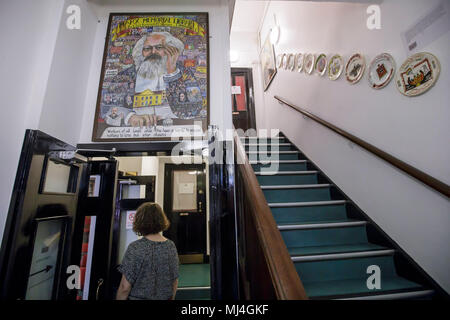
{"x": 72, "y": 206}
{"x": 185, "y": 206}
{"x": 243, "y": 106}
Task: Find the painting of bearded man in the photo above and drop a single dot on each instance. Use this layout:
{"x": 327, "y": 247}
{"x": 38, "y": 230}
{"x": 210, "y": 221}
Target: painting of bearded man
{"x": 150, "y": 61}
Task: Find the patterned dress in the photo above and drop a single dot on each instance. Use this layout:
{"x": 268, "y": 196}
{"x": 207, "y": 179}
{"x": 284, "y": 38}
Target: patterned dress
{"x": 150, "y": 267}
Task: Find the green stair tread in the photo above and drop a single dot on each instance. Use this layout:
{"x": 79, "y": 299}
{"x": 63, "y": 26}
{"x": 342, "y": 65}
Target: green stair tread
{"x": 291, "y": 179}
{"x": 297, "y": 195}
{"x": 194, "y": 275}
{"x": 309, "y": 214}
{"x": 281, "y": 167}
{"x": 356, "y": 287}
{"x": 303, "y": 251}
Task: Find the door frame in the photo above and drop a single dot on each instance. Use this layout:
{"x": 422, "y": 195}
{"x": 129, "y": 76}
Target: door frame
{"x": 250, "y": 92}
{"x": 104, "y": 211}
{"x": 169, "y": 168}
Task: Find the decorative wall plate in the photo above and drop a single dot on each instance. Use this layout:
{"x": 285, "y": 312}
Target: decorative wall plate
{"x": 355, "y": 67}
{"x": 321, "y": 64}
{"x": 291, "y": 62}
{"x": 299, "y": 60}
{"x": 335, "y": 67}
{"x": 284, "y": 63}
{"x": 309, "y": 63}
{"x": 381, "y": 70}
{"x": 279, "y": 60}
{"x": 418, "y": 74}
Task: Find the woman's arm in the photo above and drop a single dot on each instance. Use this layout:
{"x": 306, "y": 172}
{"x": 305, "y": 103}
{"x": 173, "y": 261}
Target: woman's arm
{"x": 124, "y": 289}
{"x": 175, "y": 287}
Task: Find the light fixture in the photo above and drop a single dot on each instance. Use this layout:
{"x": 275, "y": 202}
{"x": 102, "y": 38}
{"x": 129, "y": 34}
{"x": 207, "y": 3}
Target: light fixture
{"x": 274, "y": 34}
{"x": 234, "y": 56}
{"x": 274, "y": 31}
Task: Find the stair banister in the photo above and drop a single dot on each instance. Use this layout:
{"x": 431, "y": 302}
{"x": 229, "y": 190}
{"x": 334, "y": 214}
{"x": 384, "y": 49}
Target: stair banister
{"x": 260, "y": 231}
{"x": 430, "y": 181}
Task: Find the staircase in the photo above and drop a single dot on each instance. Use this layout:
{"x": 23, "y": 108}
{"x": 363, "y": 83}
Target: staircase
{"x": 330, "y": 240}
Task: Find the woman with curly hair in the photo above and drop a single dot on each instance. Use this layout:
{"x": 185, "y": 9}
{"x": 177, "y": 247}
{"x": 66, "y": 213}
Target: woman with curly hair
{"x": 150, "y": 265}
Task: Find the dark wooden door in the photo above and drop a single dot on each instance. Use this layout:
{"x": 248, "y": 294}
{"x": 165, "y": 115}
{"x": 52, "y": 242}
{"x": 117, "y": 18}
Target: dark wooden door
{"x": 60, "y": 215}
{"x": 185, "y": 207}
{"x": 37, "y": 239}
{"x": 242, "y": 98}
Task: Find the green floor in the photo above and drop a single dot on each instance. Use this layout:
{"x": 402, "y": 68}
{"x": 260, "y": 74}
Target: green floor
{"x": 194, "y": 282}
{"x": 194, "y": 275}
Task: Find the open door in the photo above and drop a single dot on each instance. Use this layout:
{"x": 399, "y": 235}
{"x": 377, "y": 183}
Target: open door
{"x": 242, "y": 98}
{"x": 49, "y": 203}
{"x": 93, "y": 231}
{"x": 35, "y": 246}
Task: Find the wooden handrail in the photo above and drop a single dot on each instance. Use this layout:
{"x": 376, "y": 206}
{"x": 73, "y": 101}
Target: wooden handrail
{"x": 285, "y": 280}
{"x": 416, "y": 173}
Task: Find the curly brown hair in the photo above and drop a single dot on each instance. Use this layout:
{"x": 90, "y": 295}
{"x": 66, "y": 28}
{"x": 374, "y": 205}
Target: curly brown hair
{"x": 150, "y": 219}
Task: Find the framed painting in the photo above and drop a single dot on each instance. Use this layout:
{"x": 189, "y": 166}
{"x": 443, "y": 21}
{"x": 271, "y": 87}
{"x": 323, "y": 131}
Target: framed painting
{"x": 154, "y": 82}
{"x": 267, "y": 58}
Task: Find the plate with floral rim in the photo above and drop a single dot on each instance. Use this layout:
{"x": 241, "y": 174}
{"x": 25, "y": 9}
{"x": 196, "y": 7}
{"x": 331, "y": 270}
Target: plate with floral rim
{"x": 279, "y": 60}
{"x": 309, "y": 63}
{"x": 355, "y": 68}
{"x": 291, "y": 62}
{"x": 321, "y": 64}
{"x": 299, "y": 58}
{"x": 335, "y": 67}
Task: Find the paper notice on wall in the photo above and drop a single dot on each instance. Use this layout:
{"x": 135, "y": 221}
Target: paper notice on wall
{"x": 431, "y": 26}
{"x": 235, "y": 90}
{"x": 186, "y": 188}
{"x": 130, "y": 219}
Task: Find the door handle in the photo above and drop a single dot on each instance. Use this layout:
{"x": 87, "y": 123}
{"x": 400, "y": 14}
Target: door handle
{"x": 184, "y": 214}
{"x": 99, "y": 284}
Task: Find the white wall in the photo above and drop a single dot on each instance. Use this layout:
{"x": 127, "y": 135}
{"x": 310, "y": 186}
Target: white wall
{"x": 245, "y": 44}
{"x": 415, "y": 130}
{"x": 220, "y": 89}
{"x": 247, "y": 19}
{"x": 131, "y": 164}
{"x": 29, "y": 37}
{"x": 62, "y": 109}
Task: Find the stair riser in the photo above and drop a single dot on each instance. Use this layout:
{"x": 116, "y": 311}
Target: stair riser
{"x": 193, "y": 294}
{"x": 309, "y": 214}
{"x": 269, "y": 147}
{"x": 264, "y": 141}
{"x": 324, "y": 237}
{"x": 267, "y": 156}
{"x": 280, "y": 167}
{"x": 287, "y": 179}
{"x": 297, "y": 195}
